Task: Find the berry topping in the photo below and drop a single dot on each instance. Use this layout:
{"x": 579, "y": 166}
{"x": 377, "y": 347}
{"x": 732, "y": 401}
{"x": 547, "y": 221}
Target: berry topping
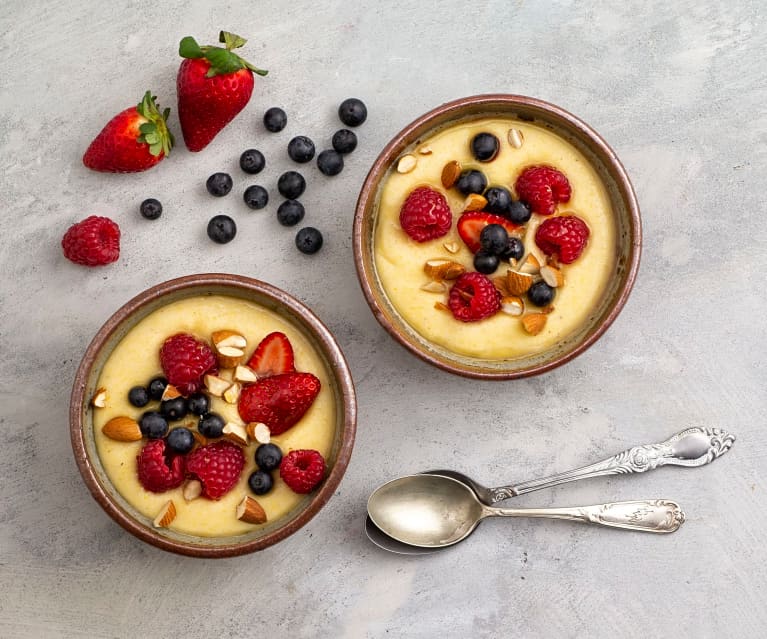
{"x": 344, "y": 141}
{"x": 485, "y": 146}
{"x": 301, "y": 149}
{"x": 473, "y": 297}
{"x": 309, "y": 240}
{"x": 291, "y": 185}
{"x": 541, "y": 294}
{"x": 514, "y": 249}
{"x": 198, "y": 404}
{"x": 93, "y": 242}
{"x": 260, "y": 482}
{"x": 156, "y": 387}
{"x": 221, "y": 229}
{"x": 470, "y": 226}
{"x": 273, "y": 356}
{"x": 485, "y": 262}
{"x": 211, "y": 425}
{"x": 219, "y": 184}
{"x": 498, "y": 201}
{"x": 275, "y": 119}
{"x": 471, "y": 181}
{"x": 542, "y": 187}
{"x": 519, "y": 212}
{"x": 494, "y": 239}
{"x": 330, "y": 162}
{"x": 290, "y": 212}
{"x": 256, "y": 197}
{"x": 138, "y": 396}
{"x": 180, "y": 440}
{"x": 566, "y": 236}
{"x": 217, "y": 466}
{"x": 185, "y": 360}
{"x": 174, "y": 409}
{"x": 352, "y": 112}
{"x": 151, "y": 209}
{"x": 425, "y": 214}
{"x": 302, "y": 470}
{"x": 279, "y": 401}
{"x": 268, "y": 457}
{"x": 153, "y": 425}
{"x": 252, "y": 161}
{"x": 156, "y": 473}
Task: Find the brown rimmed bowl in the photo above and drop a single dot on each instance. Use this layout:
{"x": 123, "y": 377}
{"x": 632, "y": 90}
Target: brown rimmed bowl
{"x": 567, "y": 126}
{"x": 117, "y": 326}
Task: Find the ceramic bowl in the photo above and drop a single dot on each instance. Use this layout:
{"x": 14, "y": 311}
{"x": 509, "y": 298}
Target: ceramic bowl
{"x": 624, "y": 208}
{"x": 81, "y": 413}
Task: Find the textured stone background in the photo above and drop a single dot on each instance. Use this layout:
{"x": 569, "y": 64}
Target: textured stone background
{"x": 677, "y": 88}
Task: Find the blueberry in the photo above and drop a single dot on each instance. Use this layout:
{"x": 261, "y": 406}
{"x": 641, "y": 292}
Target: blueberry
{"x": 541, "y": 294}
{"x": 519, "y": 212}
{"x": 485, "y": 262}
{"x": 221, "y": 229}
{"x": 330, "y": 162}
{"x": 260, "y": 482}
{"x": 290, "y": 213}
{"x": 291, "y": 185}
{"x": 174, "y": 409}
{"x": 494, "y": 239}
{"x": 252, "y": 161}
{"x": 344, "y": 141}
{"x": 219, "y": 184}
{"x": 352, "y": 112}
{"x": 301, "y": 149}
{"x": 180, "y": 440}
{"x": 268, "y": 457}
{"x": 275, "y": 119}
{"x": 156, "y": 387}
{"x": 153, "y": 425}
{"x": 514, "y": 249}
{"x": 198, "y": 404}
{"x": 485, "y": 147}
{"x": 256, "y": 197}
{"x": 138, "y": 396}
{"x": 498, "y": 200}
{"x": 151, "y": 209}
{"x": 471, "y": 181}
{"x": 211, "y": 425}
{"x": 309, "y": 240}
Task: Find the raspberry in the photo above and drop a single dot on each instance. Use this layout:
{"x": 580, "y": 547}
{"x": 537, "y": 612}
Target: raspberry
{"x": 425, "y": 215}
{"x": 154, "y": 471}
{"x": 93, "y": 242}
{"x": 185, "y": 360}
{"x": 566, "y": 235}
{"x": 473, "y": 298}
{"x": 217, "y": 466}
{"x": 302, "y": 470}
{"x": 541, "y": 187}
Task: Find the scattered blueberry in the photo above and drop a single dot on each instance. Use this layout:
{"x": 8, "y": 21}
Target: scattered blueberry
{"x": 268, "y": 457}
{"x": 494, "y": 239}
{"x": 260, "y": 482}
{"x": 485, "y": 262}
{"x": 151, "y": 209}
{"x": 219, "y": 184}
{"x": 275, "y": 119}
{"x": 198, "y": 404}
{"x": 519, "y": 212}
{"x": 221, "y": 229}
{"x": 330, "y": 162}
{"x": 211, "y": 425}
{"x": 156, "y": 387}
{"x": 498, "y": 200}
{"x": 471, "y": 181}
{"x": 541, "y": 294}
{"x": 153, "y": 425}
{"x": 301, "y": 149}
{"x": 174, "y": 409}
{"x": 138, "y": 396}
{"x": 309, "y": 240}
{"x": 352, "y": 112}
{"x": 252, "y": 161}
{"x": 291, "y": 185}
{"x": 180, "y": 440}
{"x": 344, "y": 141}
{"x": 290, "y": 213}
{"x": 485, "y": 146}
{"x": 514, "y": 250}
{"x": 256, "y": 197}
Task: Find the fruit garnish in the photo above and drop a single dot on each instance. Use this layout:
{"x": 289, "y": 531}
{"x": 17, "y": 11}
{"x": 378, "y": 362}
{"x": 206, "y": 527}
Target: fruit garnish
{"x": 485, "y": 146}
{"x": 425, "y": 214}
{"x": 473, "y": 297}
{"x": 541, "y": 294}
{"x": 471, "y": 181}
{"x": 344, "y": 141}
{"x": 185, "y": 360}
{"x": 93, "y": 242}
{"x": 330, "y": 162}
{"x": 218, "y": 466}
{"x": 221, "y": 229}
{"x": 566, "y": 236}
{"x": 301, "y": 149}
{"x": 219, "y": 184}
{"x": 273, "y": 356}
{"x": 309, "y": 240}
{"x": 352, "y": 112}
{"x": 542, "y": 188}
{"x": 155, "y": 473}
{"x": 470, "y": 226}
{"x": 279, "y": 401}
{"x": 302, "y": 470}
{"x": 275, "y": 119}
{"x": 150, "y": 208}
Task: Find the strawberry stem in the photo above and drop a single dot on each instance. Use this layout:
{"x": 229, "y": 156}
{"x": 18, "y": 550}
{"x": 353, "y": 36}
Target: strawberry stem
{"x": 222, "y": 60}
{"x": 154, "y": 131}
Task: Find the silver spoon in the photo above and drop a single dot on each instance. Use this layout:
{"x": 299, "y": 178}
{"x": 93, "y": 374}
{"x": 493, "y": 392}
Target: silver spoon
{"x": 433, "y": 511}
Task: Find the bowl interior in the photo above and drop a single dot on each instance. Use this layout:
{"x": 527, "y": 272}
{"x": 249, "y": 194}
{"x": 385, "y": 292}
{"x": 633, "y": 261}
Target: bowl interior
{"x": 623, "y": 204}
{"x": 113, "y": 332}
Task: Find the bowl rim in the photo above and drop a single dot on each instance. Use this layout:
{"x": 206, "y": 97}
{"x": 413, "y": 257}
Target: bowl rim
{"x": 337, "y": 364}
{"x": 455, "y": 107}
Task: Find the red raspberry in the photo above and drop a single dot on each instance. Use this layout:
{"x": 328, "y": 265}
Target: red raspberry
{"x": 93, "y": 242}
{"x": 541, "y": 187}
{"x": 217, "y": 466}
{"x": 425, "y": 215}
{"x": 185, "y": 360}
{"x": 154, "y": 471}
{"x": 566, "y": 235}
{"x": 473, "y": 298}
{"x": 302, "y": 470}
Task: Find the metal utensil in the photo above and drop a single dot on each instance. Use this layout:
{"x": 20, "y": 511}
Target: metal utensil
{"x": 434, "y": 511}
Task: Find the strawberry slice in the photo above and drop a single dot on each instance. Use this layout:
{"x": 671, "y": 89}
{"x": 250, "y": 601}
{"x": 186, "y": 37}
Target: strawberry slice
{"x": 279, "y": 401}
{"x": 470, "y": 226}
{"x": 273, "y": 356}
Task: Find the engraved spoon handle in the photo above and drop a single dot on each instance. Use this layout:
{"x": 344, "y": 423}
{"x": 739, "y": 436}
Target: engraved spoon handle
{"x": 691, "y": 447}
{"x": 655, "y": 516}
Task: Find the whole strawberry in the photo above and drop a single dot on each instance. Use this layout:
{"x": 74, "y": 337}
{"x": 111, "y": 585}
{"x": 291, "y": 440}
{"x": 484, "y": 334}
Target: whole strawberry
{"x": 214, "y": 85}
{"x": 185, "y": 360}
{"x": 279, "y": 401}
{"x": 134, "y": 140}
{"x": 93, "y": 242}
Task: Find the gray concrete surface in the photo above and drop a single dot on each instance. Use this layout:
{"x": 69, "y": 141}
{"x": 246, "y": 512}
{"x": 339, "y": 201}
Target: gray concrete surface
{"x": 677, "y": 88}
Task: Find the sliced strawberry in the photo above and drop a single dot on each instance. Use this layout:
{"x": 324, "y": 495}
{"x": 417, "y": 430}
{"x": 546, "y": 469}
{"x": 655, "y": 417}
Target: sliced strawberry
{"x": 279, "y": 401}
{"x": 470, "y": 226}
{"x": 273, "y": 356}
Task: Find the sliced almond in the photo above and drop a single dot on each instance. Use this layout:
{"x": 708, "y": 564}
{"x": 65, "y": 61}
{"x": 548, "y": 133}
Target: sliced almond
{"x": 245, "y": 374}
{"x": 165, "y": 516}
{"x": 407, "y": 163}
{"x": 450, "y": 173}
{"x": 442, "y": 269}
{"x": 552, "y": 276}
{"x": 512, "y": 305}
{"x": 170, "y": 392}
{"x": 216, "y": 385}
{"x": 232, "y": 394}
{"x": 192, "y": 489}
{"x": 452, "y": 247}
{"x": 99, "y": 399}
{"x": 529, "y": 264}
{"x": 425, "y": 150}
{"x": 228, "y": 338}
{"x": 258, "y": 431}
{"x": 534, "y": 322}
{"x": 474, "y": 202}
{"x": 519, "y": 283}
{"x": 434, "y": 286}
{"x": 442, "y": 307}
{"x": 250, "y": 511}
{"x": 236, "y": 433}
{"x": 122, "y": 429}
{"x": 516, "y": 138}
{"x": 229, "y": 356}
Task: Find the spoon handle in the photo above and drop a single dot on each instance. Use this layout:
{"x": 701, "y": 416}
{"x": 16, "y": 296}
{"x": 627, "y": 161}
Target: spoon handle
{"x": 691, "y": 447}
{"x": 655, "y": 516}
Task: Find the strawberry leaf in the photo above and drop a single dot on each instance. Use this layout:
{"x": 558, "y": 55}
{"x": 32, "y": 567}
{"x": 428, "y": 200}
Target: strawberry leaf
{"x": 222, "y": 61}
{"x": 231, "y": 40}
{"x": 188, "y": 48}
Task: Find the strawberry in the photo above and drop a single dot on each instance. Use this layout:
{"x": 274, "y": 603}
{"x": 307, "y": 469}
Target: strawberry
{"x": 470, "y": 227}
{"x": 214, "y": 85}
{"x": 134, "y": 140}
{"x": 425, "y": 214}
{"x": 542, "y": 187}
{"x": 157, "y": 473}
{"x": 279, "y": 401}
{"x": 185, "y": 360}
{"x": 302, "y": 470}
{"x": 218, "y": 467}
{"x": 93, "y": 242}
{"x": 473, "y": 297}
{"x": 274, "y": 355}
{"x": 565, "y": 235}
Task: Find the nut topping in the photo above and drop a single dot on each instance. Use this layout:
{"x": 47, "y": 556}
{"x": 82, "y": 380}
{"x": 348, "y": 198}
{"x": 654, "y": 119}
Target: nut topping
{"x": 474, "y": 202}
{"x": 99, "y": 399}
{"x": 434, "y": 286}
{"x": 452, "y": 247}
{"x": 529, "y": 265}
{"x": 230, "y": 348}
{"x": 450, "y": 173}
{"x": 165, "y": 516}
{"x": 512, "y": 305}
{"x": 170, "y": 392}
{"x": 552, "y": 276}
{"x": 425, "y": 150}
{"x": 250, "y": 511}
{"x": 236, "y": 433}
{"x": 122, "y": 429}
{"x": 221, "y": 339}
{"x": 192, "y": 489}
{"x": 406, "y": 163}
{"x": 245, "y": 374}
{"x": 534, "y": 322}
{"x": 442, "y": 269}
{"x": 232, "y": 394}
{"x": 516, "y": 139}
{"x": 216, "y": 385}
{"x": 519, "y": 283}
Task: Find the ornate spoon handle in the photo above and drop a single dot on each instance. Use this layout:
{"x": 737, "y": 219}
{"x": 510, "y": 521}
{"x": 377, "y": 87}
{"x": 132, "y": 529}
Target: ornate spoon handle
{"x": 655, "y": 516}
{"x": 691, "y": 447}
